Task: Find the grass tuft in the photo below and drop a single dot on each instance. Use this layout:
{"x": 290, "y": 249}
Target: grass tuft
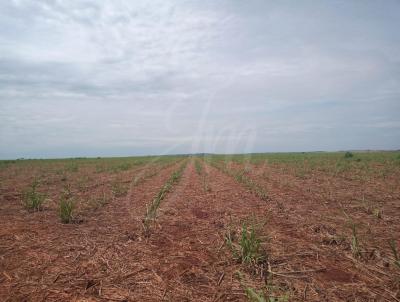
{"x": 32, "y": 199}
{"x": 118, "y": 189}
{"x": 377, "y": 213}
{"x": 66, "y": 206}
{"x": 254, "y": 295}
{"x": 393, "y": 247}
{"x": 355, "y": 243}
{"x": 100, "y": 201}
{"x": 206, "y": 185}
{"x": 198, "y": 166}
{"x": 246, "y": 245}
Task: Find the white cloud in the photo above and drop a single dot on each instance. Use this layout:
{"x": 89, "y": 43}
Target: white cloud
{"x": 136, "y": 77}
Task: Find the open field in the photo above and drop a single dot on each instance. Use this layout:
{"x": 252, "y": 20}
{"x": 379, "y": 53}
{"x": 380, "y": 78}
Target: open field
{"x": 260, "y": 227}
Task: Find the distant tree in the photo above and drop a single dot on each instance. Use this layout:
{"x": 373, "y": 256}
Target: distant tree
{"x": 348, "y": 154}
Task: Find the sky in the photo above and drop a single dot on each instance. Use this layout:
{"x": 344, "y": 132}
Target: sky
{"x": 117, "y": 78}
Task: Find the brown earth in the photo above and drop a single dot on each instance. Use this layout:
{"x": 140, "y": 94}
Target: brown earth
{"x": 109, "y": 257}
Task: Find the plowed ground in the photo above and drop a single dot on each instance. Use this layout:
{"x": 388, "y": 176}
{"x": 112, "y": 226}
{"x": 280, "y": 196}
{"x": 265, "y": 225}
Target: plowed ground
{"x": 107, "y": 255}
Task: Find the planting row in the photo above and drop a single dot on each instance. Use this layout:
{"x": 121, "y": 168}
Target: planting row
{"x": 151, "y": 212}
{"x": 75, "y": 200}
{"x": 339, "y": 228}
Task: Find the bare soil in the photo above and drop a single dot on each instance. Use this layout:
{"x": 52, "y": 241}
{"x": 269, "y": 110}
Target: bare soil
{"x": 108, "y": 256}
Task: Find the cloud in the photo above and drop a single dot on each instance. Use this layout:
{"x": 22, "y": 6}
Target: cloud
{"x": 121, "y": 77}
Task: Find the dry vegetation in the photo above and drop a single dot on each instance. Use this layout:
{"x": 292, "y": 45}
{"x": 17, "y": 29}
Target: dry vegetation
{"x": 261, "y": 227}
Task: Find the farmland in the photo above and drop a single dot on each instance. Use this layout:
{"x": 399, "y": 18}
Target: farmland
{"x": 257, "y": 227}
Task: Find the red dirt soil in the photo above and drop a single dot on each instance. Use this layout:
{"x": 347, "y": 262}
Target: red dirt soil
{"x": 108, "y": 256}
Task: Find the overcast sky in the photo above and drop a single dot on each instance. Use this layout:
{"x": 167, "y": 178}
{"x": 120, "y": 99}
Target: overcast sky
{"x": 98, "y": 78}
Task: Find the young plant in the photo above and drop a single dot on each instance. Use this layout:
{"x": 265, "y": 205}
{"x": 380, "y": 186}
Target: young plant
{"x": 32, "y": 199}
{"x": 396, "y": 255}
{"x": 366, "y": 205}
{"x": 198, "y": 166}
{"x": 246, "y": 246}
{"x": 151, "y": 210}
{"x": 66, "y": 206}
{"x": 206, "y": 186}
{"x": 99, "y": 201}
{"x": 377, "y": 213}
{"x": 254, "y": 295}
{"x": 355, "y": 244}
{"x": 118, "y": 189}
{"x": 251, "y": 293}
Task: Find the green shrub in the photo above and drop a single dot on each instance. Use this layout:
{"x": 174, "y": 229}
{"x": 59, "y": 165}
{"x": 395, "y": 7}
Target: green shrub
{"x": 348, "y": 154}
